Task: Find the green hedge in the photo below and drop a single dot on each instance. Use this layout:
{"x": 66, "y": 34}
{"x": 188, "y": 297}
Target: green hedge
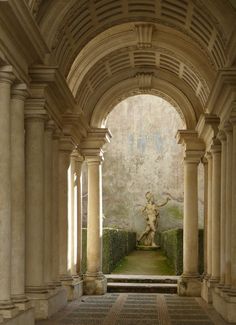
{"x": 116, "y": 245}
{"x": 172, "y": 244}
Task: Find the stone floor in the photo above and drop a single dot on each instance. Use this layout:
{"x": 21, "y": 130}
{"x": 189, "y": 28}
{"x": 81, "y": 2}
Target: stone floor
{"x": 136, "y": 309}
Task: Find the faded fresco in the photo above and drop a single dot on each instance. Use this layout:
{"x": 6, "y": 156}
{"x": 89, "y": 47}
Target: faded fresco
{"x": 143, "y": 156}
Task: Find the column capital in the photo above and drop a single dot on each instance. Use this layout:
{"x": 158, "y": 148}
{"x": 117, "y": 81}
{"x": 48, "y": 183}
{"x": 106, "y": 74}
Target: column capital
{"x": 50, "y": 125}
{"x": 232, "y": 117}
{"x": 6, "y": 74}
{"x": 222, "y": 136}
{"x": 94, "y": 159}
{"x": 35, "y": 109}
{"x": 228, "y": 128}
{"x": 193, "y": 157}
{"x": 95, "y": 140}
{"x": 66, "y": 144}
{"x": 216, "y": 146}
{"x": 19, "y": 91}
{"x": 190, "y": 139}
{"x": 208, "y": 156}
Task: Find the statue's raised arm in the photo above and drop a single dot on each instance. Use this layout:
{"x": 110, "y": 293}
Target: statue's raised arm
{"x": 163, "y": 204}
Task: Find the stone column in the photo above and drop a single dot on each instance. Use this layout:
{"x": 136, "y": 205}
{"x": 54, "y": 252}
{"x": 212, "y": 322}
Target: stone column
{"x": 19, "y": 95}
{"x": 209, "y": 207}
{"x": 73, "y": 213}
{"x": 6, "y": 306}
{"x": 228, "y": 225}
{"x": 48, "y": 170}
{"x": 79, "y": 162}
{"x": 35, "y": 119}
{"x": 233, "y": 223}
{"x": 222, "y": 138}
{"x": 205, "y": 164}
{"x": 65, "y": 150}
{"x": 94, "y": 281}
{"x": 55, "y": 209}
{"x": 216, "y": 208}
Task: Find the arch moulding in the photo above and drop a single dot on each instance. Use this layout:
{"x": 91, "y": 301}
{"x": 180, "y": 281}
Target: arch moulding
{"x": 128, "y": 88}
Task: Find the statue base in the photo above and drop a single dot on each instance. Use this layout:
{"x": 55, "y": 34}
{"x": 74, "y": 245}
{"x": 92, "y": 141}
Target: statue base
{"x": 147, "y": 248}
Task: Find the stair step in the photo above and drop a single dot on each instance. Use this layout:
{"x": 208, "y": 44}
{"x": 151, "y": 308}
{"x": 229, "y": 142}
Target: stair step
{"x": 120, "y": 278}
{"x": 142, "y": 287}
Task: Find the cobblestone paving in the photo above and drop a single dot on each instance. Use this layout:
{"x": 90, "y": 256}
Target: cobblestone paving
{"x": 135, "y": 309}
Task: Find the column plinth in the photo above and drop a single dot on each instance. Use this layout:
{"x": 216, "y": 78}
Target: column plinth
{"x": 94, "y": 280}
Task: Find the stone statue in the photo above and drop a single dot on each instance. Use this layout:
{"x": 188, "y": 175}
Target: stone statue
{"x": 151, "y": 213}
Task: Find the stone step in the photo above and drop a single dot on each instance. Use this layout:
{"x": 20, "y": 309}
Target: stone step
{"x": 142, "y": 287}
{"x": 123, "y": 278}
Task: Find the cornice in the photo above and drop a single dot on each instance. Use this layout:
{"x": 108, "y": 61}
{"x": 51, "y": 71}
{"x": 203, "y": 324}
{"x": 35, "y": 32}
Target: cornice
{"x": 23, "y": 35}
{"x": 223, "y": 93}
{"x": 208, "y": 128}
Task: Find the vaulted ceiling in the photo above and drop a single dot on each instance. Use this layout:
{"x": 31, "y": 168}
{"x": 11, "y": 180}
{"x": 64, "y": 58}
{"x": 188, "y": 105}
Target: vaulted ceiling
{"x": 100, "y": 44}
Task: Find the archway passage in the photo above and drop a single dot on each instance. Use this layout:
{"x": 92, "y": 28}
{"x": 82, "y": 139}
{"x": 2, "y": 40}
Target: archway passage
{"x": 63, "y": 66}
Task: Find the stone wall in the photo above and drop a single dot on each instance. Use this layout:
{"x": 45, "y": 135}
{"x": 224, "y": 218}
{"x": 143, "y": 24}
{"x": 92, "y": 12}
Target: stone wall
{"x": 143, "y": 156}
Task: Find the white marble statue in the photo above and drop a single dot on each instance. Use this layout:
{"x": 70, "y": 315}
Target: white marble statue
{"x": 151, "y": 213}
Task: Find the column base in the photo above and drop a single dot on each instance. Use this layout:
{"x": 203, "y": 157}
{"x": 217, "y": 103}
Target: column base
{"x": 207, "y": 287}
{"x": 95, "y": 285}
{"x": 22, "y": 318}
{"x": 189, "y": 286}
{"x": 21, "y": 302}
{"x": 46, "y": 304}
{"x": 224, "y": 301}
{"x": 8, "y": 309}
{"x": 73, "y": 287}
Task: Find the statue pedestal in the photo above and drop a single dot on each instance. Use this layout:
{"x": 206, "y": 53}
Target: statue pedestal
{"x": 147, "y": 248}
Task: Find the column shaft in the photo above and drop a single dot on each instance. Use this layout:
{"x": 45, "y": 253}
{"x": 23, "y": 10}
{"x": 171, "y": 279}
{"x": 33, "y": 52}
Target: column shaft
{"x": 223, "y": 207}
{"x": 94, "y": 228}
{"x": 233, "y": 225}
{"x": 55, "y": 210}
{"x": 205, "y": 163}
{"x": 190, "y": 267}
{"x": 6, "y": 80}
{"x": 64, "y": 164}
{"x": 228, "y": 206}
{"x": 35, "y": 203}
{"x": 18, "y": 195}
{"x": 79, "y": 161}
{"x": 216, "y": 208}
{"x": 48, "y": 168}
{"x": 209, "y": 208}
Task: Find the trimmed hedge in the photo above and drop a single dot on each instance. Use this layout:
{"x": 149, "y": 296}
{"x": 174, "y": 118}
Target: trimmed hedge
{"x": 172, "y": 244}
{"x": 116, "y": 245}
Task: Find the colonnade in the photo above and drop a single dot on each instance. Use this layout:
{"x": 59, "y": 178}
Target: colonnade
{"x": 41, "y": 207}
{"x": 213, "y": 143}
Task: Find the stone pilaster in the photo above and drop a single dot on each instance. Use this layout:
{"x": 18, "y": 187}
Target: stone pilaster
{"x": 216, "y": 208}
{"x": 189, "y": 284}
{"x": 48, "y": 170}
{"x": 7, "y": 308}
{"x": 19, "y": 94}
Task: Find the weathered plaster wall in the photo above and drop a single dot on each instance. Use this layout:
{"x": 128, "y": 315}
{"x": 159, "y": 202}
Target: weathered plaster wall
{"x": 142, "y": 156}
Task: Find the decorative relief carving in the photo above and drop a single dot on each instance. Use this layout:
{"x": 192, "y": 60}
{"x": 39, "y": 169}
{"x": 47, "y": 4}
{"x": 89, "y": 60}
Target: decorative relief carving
{"x": 144, "y": 80}
{"x": 144, "y": 35}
